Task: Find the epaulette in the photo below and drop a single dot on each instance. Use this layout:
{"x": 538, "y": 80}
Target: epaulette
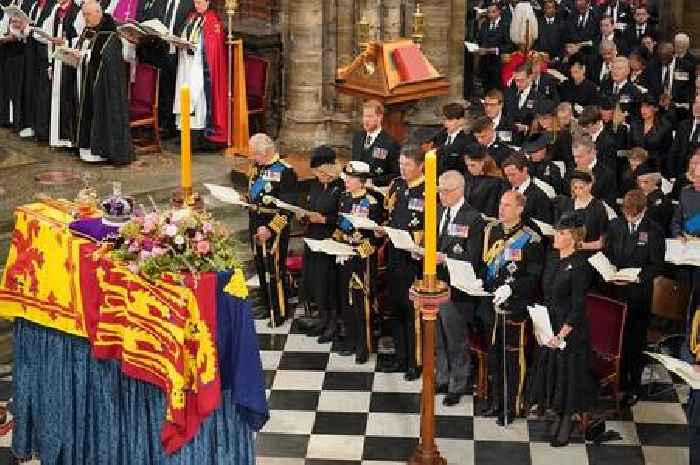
{"x": 284, "y": 163}
{"x": 533, "y": 234}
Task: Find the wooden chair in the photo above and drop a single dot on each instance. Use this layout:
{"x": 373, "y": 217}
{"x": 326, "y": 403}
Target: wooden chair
{"x": 256, "y": 80}
{"x": 606, "y": 322}
{"x": 143, "y": 107}
{"x": 669, "y": 304}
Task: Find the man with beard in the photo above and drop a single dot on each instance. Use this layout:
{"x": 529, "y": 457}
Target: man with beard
{"x": 103, "y": 114}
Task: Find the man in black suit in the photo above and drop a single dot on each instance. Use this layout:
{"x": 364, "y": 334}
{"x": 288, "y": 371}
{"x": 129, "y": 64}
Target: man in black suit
{"x": 623, "y": 92}
{"x": 493, "y": 108}
{"x": 640, "y": 28}
{"x": 585, "y": 21}
{"x": 537, "y": 204}
{"x": 681, "y": 43}
{"x": 634, "y": 241}
{"x": 551, "y": 31}
{"x": 520, "y": 98}
{"x": 620, "y": 12}
{"x": 486, "y": 136}
{"x": 686, "y": 141}
{"x": 375, "y": 147}
{"x": 601, "y": 64}
{"x": 156, "y": 52}
{"x": 673, "y": 77}
{"x": 591, "y": 121}
{"x": 609, "y": 32}
{"x": 494, "y": 34}
{"x": 451, "y": 142}
{"x": 544, "y": 84}
{"x": 460, "y": 237}
{"x": 604, "y": 179}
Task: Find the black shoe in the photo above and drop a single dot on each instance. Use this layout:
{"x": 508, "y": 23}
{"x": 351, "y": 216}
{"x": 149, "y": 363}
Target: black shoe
{"x": 261, "y": 315}
{"x": 451, "y": 399}
{"x": 345, "y": 352}
{"x": 278, "y": 322}
{"x": 412, "y": 374}
{"x": 564, "y": 433}
{"x": 490, "y": 411}
{"x": 502, "y": 421}
{"x": 441, "y": 389}
{"x": 392, "y": 367}
{"x": 361, "y": 358}
{"x": 325, "y": 338}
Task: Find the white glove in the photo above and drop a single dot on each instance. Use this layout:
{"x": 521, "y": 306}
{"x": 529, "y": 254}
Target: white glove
{"x": 502, "y": 294}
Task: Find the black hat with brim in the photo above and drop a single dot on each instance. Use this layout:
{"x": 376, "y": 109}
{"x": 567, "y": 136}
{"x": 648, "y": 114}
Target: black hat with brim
{"x": 322, "y": 155}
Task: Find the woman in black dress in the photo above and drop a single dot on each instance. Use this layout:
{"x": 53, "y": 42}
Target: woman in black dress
{"x": 562, "y": 379}
{"x": 483, "y": 182}
{"x": 319, "y": 272}
{"x": 592, "y": 210}
{"x": 654, "y": 134}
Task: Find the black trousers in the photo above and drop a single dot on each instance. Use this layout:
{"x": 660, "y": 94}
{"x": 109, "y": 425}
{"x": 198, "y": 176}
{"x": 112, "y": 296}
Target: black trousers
{"x": 638, "y": 300}
{"x": 402, "y": 270}
{"x": 271, "y": 268}
{"x": 356, "y": 297}
{"x": 452, "y": 346}
{"x": 515, "y": 365}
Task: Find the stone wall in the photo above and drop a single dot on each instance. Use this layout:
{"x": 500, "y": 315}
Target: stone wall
{"x": 320, "y": 36}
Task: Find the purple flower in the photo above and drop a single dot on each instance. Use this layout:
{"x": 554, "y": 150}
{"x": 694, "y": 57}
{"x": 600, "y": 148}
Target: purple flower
{"x": 207, "y": 228}
{"x": 145, "y": 255}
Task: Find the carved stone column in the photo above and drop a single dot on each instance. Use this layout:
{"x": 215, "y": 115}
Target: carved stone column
{"x": 304, "y": 119}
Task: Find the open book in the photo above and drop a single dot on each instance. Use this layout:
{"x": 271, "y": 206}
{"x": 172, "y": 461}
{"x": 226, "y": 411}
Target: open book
{"x": 683, "y": 369}
{"x": 462, "y": 277}
{"x": 67, "y": 55}
{"x": 360, "y": 222}
{"x": 135, "y": 32}
{"x": 680, "y": 253}
{"x": 330, "y": 247}
{"x": 542, "y": 325}
{"x": 227, "y": 195}
{"x": 401, "y": 239}
{"x": 13, "y": 11}
{"x": 610, "y": 273}
{"x": 298, "y": 211}
{"x": 474, "y": 48}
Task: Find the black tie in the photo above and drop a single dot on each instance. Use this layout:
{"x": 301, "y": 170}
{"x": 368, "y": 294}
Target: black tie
{"x": 445, "y": 225}
{"x": 640, "y": 31}
{"x": 169, "y": 13}
{"x": 368, "y": 141}
{"x": 633, "y": 229}
{"x": 616, "y": 88}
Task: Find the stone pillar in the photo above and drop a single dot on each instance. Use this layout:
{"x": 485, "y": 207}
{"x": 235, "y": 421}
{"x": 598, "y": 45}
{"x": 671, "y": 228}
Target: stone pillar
{"x": 455, "y": 50}
{"x": 303, "y": 121}
{"x": 435, "y": 46}
{"x": 392, "y": 20}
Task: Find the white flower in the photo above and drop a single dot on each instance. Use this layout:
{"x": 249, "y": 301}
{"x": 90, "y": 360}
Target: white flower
{"x": 179, "y": 239}
{"x": 170, "y": 230}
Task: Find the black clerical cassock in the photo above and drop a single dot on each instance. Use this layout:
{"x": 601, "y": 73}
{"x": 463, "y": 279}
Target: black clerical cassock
{"x": 103, "y": 117}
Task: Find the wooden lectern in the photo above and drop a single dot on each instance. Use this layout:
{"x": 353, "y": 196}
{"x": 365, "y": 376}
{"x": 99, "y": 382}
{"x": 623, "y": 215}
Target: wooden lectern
{"x": 397, "y": 74}
{"x": 238, "y": 101}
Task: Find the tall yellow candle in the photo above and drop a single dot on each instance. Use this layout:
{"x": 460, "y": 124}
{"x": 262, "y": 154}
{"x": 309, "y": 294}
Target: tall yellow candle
{"x": 430, "y": 210}
{"x": 185, "y": 148}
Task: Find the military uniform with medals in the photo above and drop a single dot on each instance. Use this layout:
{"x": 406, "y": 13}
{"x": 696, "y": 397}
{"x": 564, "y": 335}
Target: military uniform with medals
{"x": 513, "y": 257}
{"x": 381, "y": 154}
{"x": 357, "y": 273}
{"x": 405, "y": 209}
{"x": 275, "y": 179}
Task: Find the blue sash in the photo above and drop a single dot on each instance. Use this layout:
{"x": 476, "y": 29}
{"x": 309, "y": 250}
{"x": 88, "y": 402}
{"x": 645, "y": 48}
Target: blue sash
{"x": 692, "y": 225}
{"x": 516, "y": 242}
{"x": 258, "y": 187}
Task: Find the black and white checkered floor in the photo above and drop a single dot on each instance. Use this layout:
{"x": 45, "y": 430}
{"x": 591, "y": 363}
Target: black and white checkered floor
{"x": 326, "y": 410}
